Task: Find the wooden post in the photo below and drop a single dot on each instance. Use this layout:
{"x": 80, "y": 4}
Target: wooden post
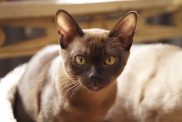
{"x": 177, "y": 17}
{"x": 2, "y": 37}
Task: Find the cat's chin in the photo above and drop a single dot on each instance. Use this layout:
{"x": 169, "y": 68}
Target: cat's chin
{"x": 93, "y": 88}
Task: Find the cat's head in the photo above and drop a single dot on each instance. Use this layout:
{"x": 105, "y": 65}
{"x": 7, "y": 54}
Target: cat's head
{"x": 95, "y": 57}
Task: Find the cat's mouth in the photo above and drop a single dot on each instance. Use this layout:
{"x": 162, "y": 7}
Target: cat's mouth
{"x": 93, "y": 86}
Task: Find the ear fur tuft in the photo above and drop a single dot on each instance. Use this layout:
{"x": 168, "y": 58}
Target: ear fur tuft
{"x": 125, "y": 29}
{"x": 67, "y": 28}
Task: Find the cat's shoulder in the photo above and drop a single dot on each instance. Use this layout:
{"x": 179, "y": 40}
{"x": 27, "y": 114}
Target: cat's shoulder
{"x": 46, "y": 54}
{"x": 154, "y": 48}
{"x": 48, "y": 50}
{"x": 43, "y": 59}
{"x": 153, "y": 52}
{"x": 152, "y": 55}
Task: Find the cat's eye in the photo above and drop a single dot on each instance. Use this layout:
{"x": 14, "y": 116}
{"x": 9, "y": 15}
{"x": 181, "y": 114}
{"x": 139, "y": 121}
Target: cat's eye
{"x": 80, "y": 60}
{"x": 111, "y": 60}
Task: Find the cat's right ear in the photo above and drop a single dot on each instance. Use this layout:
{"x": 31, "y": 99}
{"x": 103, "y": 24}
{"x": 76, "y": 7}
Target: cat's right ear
{"x": 67, "y": 28}
{"x": 124, "y": 30}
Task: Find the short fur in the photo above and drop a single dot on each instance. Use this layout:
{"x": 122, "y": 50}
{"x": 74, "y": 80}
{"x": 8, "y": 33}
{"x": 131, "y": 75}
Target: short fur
{"x": 150, "y": 88}
{"x": 56, "y": 89}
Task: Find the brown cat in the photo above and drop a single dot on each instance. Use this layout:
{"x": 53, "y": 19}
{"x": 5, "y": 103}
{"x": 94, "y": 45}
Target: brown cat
{"x": 76, "y": 83}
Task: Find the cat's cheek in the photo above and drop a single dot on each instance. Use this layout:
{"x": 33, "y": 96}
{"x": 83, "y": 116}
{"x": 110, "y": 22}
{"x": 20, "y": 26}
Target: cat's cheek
{"x": 76, "y": 71}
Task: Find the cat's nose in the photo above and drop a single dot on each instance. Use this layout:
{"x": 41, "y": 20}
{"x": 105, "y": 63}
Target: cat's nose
{"x": 94, "y": 82}
{"x": 94, "y": 75}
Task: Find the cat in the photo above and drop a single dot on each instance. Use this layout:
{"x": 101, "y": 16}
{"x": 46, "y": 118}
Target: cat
{"x": 76, "y": 80}
{"x": 148, "y": 90}
{"x": 150, "y": 87}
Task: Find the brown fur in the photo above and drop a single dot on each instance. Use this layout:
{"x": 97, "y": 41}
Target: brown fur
{"x": 55, "y": 89}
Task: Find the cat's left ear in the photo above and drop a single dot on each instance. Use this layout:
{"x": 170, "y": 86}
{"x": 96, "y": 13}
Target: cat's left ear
{"x": 67, "y": 28}
{"x": 124, "y": 30}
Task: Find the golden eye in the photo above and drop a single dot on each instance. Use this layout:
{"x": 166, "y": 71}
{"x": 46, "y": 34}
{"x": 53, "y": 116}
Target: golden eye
{"x": 110, "y": 60}
{"x": 80, "y": 60}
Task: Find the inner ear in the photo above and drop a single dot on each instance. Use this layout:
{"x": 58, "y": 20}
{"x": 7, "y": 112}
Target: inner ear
{"x": 125, "y": 28}
{"x": 67, "y": 28}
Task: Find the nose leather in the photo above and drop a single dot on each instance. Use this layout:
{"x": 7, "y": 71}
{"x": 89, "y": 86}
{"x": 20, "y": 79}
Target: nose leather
{"x": 94, "y": 75}
{"x": 94, "y": 78}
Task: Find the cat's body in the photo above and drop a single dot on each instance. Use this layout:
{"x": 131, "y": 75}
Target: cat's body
{"x": 75, "y": 82}
{"x": 150, "y": 88}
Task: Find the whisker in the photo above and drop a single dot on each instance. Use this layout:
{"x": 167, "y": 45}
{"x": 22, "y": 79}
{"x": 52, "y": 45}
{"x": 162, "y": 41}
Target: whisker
{"x": 66, "y": 85}
{"x": 71, "y": 88}
{"x": 76, "y": 89}
{"x": 123, "y": 34}
{"x": 116, "y": 44}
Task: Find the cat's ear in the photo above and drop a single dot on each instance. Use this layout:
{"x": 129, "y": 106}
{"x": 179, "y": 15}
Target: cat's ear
{"x": 67, "y": 28}
{"x": 125, "y": 28}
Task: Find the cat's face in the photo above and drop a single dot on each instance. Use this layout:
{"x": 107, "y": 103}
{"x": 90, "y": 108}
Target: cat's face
{"x": 95, "y": 57}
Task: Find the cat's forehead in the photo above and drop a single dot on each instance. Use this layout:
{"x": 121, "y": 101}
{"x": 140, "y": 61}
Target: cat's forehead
{"x": 95, "y": 35}
{"x": 92, "y": 39}
{"x": 96, "y": 31}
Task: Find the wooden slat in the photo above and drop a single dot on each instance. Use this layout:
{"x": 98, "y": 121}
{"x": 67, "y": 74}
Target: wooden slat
{"x": 151, "y": 33}
{"x": 32, "y": 43}
{"x": 26, "y": 9}
{"x": 177, "y": 18}
{"x": 15, "y": 54}
{"x": 30, "y": 22}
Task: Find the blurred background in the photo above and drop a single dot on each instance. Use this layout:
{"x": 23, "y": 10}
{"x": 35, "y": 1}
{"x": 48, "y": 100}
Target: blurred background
{"x": 28, "y": 25}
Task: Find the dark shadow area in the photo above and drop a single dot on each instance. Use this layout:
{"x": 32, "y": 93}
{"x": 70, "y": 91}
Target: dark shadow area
{"x": 14, "y": 35}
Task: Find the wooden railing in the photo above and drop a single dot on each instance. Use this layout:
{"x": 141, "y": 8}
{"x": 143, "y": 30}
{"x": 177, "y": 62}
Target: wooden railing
{"x": 41, "y": 14}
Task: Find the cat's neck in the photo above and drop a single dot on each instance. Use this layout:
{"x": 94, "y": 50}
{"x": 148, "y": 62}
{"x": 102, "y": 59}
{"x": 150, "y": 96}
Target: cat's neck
{"x": 81, "y": 97}
{"x": 83, "y": 103}
{"x": 89, "y": 99}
